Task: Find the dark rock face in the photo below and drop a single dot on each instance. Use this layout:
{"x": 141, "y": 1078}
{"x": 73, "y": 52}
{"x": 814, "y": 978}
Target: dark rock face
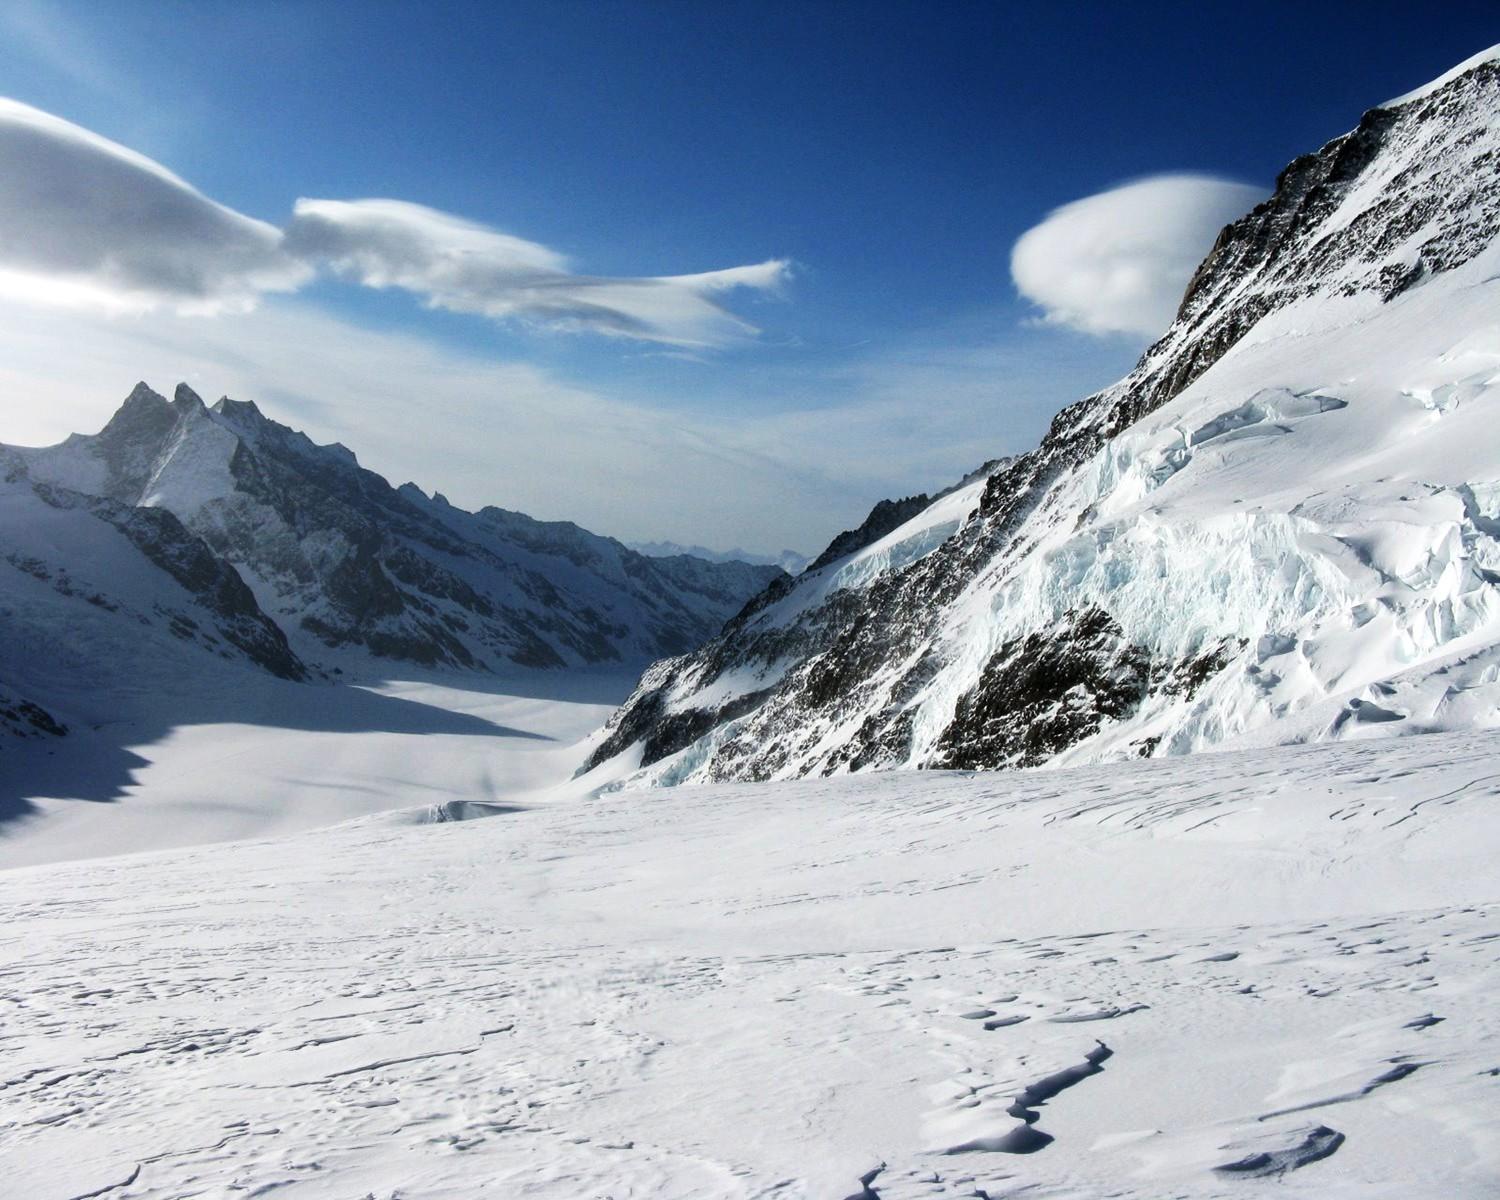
{"x": 1044, "y": 692}
{"x": 21, "y": 718}
{"x": 884, "y": 517}
{"x": 215, "y": 584}
{"x": 1051, "y": 689}
{"x": 1409, "y": 193}
{"x": 664, "y": 733}
{"x": 888, "y": 515}
{"x": 134, "y": 435}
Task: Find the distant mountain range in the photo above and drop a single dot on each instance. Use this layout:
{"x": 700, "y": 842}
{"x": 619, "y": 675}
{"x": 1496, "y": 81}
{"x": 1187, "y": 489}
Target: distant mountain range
{"x": 187, "y": 530}
{"x": 788, "y": 560}
{"x": 1283, "y": 524}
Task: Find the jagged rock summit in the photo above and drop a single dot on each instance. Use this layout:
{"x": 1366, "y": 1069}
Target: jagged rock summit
{"x": 1283, "y": 524}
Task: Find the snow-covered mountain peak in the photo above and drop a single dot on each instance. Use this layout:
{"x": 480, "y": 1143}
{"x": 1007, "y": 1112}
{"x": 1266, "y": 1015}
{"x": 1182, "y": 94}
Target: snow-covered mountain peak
{"x": 355, "y": 569}
{"x": 243, "y": 416}
{"x": 788, "y": 560}
{"x": 245, "y": 419}
{"x": 144, "y": 413}
{"x": 1408, "y": 193}
{"x": 1282, "y": 523}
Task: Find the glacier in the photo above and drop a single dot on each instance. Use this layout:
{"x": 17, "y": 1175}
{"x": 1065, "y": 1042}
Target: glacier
{"x": 1255, "y": 973}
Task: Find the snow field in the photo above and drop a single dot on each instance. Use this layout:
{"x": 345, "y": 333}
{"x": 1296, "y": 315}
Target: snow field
{"x": 1227, "y": 975}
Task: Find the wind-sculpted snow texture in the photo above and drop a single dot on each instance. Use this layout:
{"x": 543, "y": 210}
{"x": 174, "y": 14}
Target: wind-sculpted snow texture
{"x": 357, "y": 572}
{"x": 1284, "y": 524}
{"x": 1227, "y": 975}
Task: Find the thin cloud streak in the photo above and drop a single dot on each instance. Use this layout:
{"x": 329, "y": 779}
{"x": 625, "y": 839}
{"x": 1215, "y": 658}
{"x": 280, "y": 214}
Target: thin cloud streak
{"x": 912, "y": 418}
{"x": 493, "y": 432}
{"x": 52, "y": 36}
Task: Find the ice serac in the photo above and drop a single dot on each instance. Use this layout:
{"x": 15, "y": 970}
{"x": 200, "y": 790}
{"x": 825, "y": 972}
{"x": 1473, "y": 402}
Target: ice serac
{"x": 1283, "y": 524}
{"x": 360, "y": 574}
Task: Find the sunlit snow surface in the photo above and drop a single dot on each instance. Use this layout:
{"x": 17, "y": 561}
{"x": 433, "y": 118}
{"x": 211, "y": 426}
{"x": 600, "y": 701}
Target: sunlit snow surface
{"x": 1282, "y": 962}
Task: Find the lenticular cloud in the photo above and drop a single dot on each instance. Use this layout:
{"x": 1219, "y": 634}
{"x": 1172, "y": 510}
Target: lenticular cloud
{"x": 85, "y": 221}
{"x": 1118, "y": 261}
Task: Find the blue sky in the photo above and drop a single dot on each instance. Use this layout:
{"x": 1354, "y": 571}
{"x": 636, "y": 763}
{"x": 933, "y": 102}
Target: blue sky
{"x": 893, "y": 154}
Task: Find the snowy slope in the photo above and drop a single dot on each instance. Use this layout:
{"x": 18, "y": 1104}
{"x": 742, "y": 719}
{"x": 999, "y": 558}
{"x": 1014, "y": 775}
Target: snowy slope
{"x": 1228, "y": 975}
{"x": 99, "y": 599}
{"x": 1284, "y": 524}
{"x": 359, "y": 573}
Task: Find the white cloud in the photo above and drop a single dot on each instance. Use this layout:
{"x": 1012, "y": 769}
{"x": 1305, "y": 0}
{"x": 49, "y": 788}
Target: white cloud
{"x": 467, "y": 267}
{"x": 85, "y": 221}
{"x": 1119, "y": 261}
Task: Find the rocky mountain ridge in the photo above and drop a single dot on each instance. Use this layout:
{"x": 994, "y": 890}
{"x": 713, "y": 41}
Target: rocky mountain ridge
{"x": 347, "y": 563}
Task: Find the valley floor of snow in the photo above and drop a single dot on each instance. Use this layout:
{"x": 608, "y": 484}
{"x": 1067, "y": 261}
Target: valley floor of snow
{"x": 1249, "y": 973}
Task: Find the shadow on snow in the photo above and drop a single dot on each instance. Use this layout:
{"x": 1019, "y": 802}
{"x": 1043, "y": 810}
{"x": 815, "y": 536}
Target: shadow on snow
{"x": 98, "y": 764}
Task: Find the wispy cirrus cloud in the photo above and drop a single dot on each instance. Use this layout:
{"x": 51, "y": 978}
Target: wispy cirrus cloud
{"x": 1118, "y": 262}
{"x": 87, "y": 222}
{"x": 467, "y": 267}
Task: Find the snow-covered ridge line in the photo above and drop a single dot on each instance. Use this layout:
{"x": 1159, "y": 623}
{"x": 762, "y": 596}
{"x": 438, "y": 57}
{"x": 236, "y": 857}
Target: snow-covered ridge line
{"x": 1447, "y": 77}
{"x": 788, "y": 560}
{"x": 1280, "y": 520}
